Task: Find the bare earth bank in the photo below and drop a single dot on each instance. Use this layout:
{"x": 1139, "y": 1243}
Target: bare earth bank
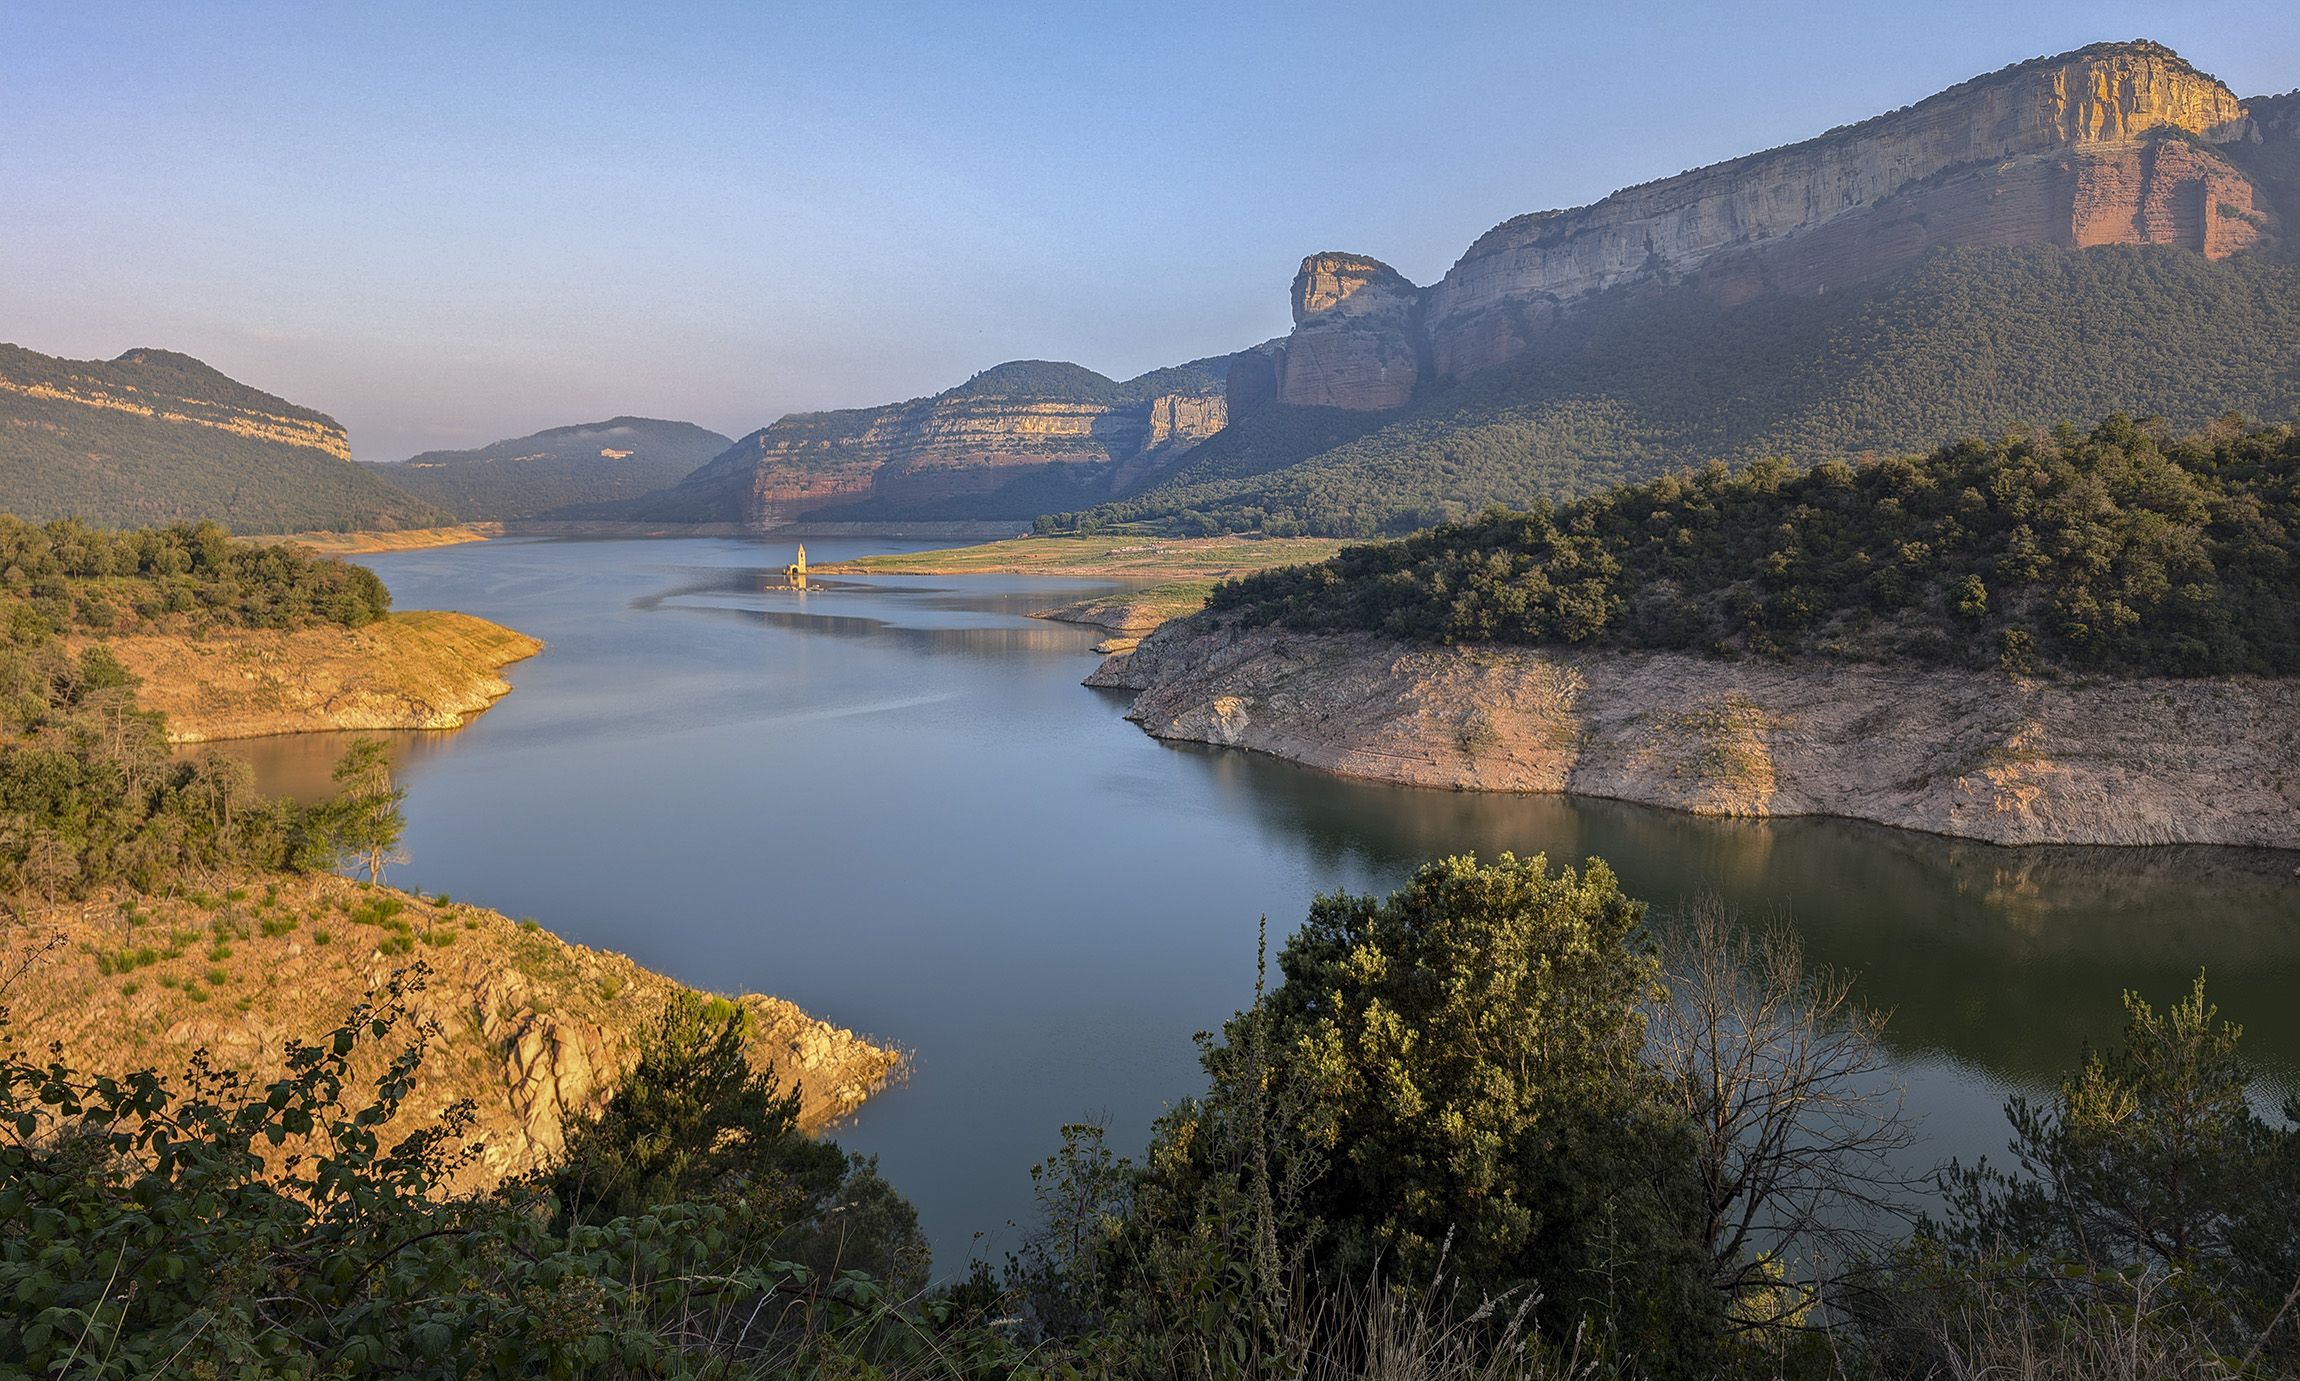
{"x": 2011, "y": 760}
{"x": 405, "y": 539}
{"x": 420, "y": 670}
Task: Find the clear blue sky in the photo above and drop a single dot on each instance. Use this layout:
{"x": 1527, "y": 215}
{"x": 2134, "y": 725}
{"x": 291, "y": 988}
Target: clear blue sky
{"x": 448, "y": 223}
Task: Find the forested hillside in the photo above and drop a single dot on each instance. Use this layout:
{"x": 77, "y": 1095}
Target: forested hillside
{"x": 2125, "y": 550}
{"x": 593, "y": 462}
{"x": 1972, "y": 342}
{"x": 158, "y": 437}
{"x": 89, "y": 792}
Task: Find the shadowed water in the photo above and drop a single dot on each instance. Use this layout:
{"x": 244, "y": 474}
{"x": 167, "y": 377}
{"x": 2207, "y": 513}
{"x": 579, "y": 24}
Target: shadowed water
{"x": 889, "y": 800}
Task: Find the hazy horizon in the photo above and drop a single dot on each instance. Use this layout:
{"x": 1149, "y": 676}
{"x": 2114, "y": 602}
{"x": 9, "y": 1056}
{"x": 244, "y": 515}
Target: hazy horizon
{"x": 448, "y": 227}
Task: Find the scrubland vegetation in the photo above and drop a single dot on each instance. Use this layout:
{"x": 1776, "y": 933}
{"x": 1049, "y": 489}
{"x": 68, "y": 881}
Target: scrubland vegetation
{"x": 1502, "y": 1123}
{"x": 2126, "y": 549}
{"x": 89, "y": 795}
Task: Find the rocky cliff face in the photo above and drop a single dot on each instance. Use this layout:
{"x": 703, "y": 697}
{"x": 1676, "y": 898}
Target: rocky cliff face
{"x": 916, "y": 458}
{"x": 2115, "y": 144}
{"x": 2009, "y": 760}
{"x": 1356, "y": 337}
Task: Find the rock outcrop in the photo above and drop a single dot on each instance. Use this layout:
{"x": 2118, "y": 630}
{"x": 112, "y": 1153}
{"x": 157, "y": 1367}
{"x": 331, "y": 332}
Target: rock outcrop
{"x": 1356, "y": 337}
{"x": 2115, "y": 144}
{"x": 2008, "y": 760}
{"x": 941, "y": 456}
{"x": 532, "y": 1031}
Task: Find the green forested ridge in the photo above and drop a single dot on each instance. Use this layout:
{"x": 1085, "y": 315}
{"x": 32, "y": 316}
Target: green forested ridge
{"x": 2125, "y": 550}
{"x": 238, "y": 456}
{"x": 529, "y": 475}
{"x": 1972, "y": 341}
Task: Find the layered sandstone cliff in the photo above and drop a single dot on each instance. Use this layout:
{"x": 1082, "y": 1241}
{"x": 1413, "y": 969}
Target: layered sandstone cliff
{"x": 915, "y": 458}
{"x": 2114, "y": 144}
{"x": 2009, "y": 760}
{"x": 154, "y": 436}
{"x": 1356, "y": 337}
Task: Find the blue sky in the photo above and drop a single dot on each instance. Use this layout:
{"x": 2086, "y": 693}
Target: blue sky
{"x": 449, "y": 223}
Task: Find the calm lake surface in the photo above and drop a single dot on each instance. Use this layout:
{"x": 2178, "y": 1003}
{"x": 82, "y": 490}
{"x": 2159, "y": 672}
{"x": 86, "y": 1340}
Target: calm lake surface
{"x": 890, "y": 801}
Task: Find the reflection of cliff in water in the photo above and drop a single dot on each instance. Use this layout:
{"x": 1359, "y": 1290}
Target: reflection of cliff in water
{"x": 2059, "y": 932}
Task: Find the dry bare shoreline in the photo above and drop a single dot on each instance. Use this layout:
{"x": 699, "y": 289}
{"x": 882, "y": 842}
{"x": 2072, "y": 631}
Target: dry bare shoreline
{"x": 424, "y": 669}
{"x": 369, "y": 543}
{"x": 2008, "y": 760}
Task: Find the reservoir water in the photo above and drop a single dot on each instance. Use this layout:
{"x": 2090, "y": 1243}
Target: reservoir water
{"x": 889, "y": 800}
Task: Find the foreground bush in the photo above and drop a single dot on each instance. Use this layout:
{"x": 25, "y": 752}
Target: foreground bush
{"x": 212, "y": 1227}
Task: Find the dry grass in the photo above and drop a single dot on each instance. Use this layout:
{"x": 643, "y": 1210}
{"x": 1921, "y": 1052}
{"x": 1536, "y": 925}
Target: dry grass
{"x": 407, "y": 539}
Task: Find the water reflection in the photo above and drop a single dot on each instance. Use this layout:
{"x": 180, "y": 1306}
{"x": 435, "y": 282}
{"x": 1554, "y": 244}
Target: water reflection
{"x": 2001, "y": 958}
{"x": 300, "y": 766}
{"x": 889, "y": 799}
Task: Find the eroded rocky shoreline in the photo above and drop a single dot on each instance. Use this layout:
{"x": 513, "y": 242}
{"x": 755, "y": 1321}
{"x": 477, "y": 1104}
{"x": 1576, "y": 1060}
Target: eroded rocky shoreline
{"x": 2010, "y": 760}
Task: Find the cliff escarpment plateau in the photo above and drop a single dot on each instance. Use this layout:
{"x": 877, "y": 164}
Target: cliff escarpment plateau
{"x": 2010, "y": 760}
{"x": 1010, "y": 442}
{"x": 2117, "y": 144}
{"x": 156, "y": 437}
{"x": 2114, "y": 144}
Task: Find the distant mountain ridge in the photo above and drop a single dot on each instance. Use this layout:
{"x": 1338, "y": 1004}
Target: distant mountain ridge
{"x": 155, "y": 436}
{"x": 1012, "y": 441}
{"x": 590, "y": 462}
{"x": 2102, "y": 230}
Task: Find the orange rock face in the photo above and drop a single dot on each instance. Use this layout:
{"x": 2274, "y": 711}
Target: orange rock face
{"x": 2116, "y": 144}
{"x": 1356, "y": 338}
{"x": 2119, "y": 144}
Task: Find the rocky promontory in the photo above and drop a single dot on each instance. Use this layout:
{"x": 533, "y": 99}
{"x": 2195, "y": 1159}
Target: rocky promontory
{"x": 530, "y": 1029}
{"x": 425, "y": 669}
{"x": 2008, "y": 759}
